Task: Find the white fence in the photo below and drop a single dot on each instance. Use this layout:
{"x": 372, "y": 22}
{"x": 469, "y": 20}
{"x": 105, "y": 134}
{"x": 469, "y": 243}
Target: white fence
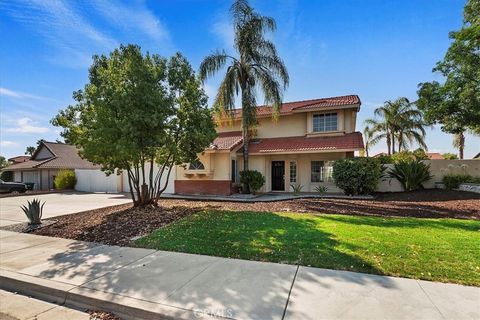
{"x": 438, "y": 168}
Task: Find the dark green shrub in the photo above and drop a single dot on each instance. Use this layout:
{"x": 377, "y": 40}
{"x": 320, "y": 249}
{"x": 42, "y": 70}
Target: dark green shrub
{"x": 321, "y": 190}
{"x": 65, "y": 179}
{"x": 6, "y": 176}
{"x": 453, "y": 181}
{"x": 357, "y": 175}
{"x": 33, "y": 211}
{"x": 254, "y": 179}
{"x": 411, "y": 174}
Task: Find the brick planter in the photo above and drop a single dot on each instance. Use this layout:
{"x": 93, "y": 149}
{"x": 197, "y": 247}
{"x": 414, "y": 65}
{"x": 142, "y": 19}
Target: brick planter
{"x": 211, "y": 187}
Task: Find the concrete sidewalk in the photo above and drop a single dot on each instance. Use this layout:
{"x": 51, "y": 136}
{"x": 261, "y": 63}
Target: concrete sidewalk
{"x": 144, "y": 284}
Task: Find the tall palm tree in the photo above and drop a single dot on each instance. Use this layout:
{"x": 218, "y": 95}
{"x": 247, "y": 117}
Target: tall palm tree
{"x": 398, "y": 122}
{"x": 256, "y": 65}
{"x": 368, "y": 135}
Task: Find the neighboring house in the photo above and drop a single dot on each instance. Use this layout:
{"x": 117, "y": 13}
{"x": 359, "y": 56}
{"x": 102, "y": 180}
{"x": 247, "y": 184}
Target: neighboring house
{"x": 298, "y": 148}
{"x": 434, "y": 156}
{"x": 42, "y": 167}
{"x": 18, "y": 159}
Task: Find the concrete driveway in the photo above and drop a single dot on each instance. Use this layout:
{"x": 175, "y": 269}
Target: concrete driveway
{"x": 57, "y": 204}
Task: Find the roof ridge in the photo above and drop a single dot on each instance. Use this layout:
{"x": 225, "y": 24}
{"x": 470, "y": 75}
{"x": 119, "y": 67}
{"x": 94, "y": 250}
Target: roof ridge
{"x": 45, "y": 161}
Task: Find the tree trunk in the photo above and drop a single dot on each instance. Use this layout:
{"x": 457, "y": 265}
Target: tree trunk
{"x": 389, "y": 143}
{"x": 393, "y": 143}
{"x": 461, "y": 145}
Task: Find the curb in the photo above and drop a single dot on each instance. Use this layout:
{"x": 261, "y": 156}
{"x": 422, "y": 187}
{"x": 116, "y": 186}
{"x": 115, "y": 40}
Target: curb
{"x": 82, "y": 298}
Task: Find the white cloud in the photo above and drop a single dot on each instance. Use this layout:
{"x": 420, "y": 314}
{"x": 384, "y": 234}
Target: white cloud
{"x": 27, "y": 125}
{"x": 134, "y": 18}
{"x": 19, "y": 95}
{"x": 63, "y": 26}
{"x": 8, "y": 144}
{"x": 224, "y": 31}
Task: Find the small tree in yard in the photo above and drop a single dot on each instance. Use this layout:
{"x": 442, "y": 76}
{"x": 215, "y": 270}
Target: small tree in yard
{"x": 357, "y": 176}
{"x": 65, "y": 179}
{"x": 136, "y": 110}
{"x": 253, "y": 179}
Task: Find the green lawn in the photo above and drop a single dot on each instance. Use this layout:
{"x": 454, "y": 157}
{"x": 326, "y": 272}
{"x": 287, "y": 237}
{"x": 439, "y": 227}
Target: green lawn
{"x": 445, "y": 250}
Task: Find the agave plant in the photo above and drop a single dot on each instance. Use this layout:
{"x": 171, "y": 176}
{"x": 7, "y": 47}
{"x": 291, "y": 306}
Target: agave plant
{"x": 411, "y": 174}
{"x": 34, "y": 211}
{"x": 321, "y": 190}
{"x": 297, "y": 188}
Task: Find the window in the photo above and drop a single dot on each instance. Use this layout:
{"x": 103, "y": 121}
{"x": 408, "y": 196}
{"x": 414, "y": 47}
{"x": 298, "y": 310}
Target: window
{"x": 293, "y": 171}
{"x": 322, "y": 171}
{"x": 234, "y": 170}
{"x": 196, "y": 165}
{"x": 324, "y": 122}
{"x": 316, "y": 171}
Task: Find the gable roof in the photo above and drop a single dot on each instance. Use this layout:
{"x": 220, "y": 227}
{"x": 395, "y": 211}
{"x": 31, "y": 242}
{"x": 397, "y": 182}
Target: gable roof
{"x": 64, "y": 156}
{"x": 307, "y": 105}
{"x": 434, "y": 156}
{"x": 227, "y": 141}
{"x": 351, "y": 141}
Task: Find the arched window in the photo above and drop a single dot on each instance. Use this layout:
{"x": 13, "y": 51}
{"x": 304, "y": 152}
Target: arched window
{"x": 196, "y": 165}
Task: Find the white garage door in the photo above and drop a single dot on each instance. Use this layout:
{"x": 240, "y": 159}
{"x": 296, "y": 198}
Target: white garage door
{"x": 170, "y": 187}
{"x": 32, "y": 177}
{"x": 95, "y": 181}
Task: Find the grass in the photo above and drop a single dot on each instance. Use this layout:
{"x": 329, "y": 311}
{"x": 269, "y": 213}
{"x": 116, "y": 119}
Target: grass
{"x": 446, "y": 250}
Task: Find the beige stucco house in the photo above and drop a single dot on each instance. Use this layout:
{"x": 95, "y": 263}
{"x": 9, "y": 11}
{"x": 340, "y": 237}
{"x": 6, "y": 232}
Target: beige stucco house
{"x": 298, "y": 148}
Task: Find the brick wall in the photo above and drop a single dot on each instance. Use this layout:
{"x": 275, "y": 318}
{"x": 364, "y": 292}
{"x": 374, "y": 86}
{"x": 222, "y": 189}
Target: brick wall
{"x": 216, "y": 187}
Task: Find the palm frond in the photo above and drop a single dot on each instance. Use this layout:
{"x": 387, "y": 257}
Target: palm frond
{"x": 212, "y": 64}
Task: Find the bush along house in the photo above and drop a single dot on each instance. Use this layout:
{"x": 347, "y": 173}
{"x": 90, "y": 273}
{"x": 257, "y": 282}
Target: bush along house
{"x": 297, "y": 149}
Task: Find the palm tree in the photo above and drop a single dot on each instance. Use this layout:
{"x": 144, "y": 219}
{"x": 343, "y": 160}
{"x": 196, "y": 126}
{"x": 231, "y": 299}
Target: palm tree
{"x": 255, "y": 66}
{"x": 368, "y": 135}
{"x": 399, "y": 122}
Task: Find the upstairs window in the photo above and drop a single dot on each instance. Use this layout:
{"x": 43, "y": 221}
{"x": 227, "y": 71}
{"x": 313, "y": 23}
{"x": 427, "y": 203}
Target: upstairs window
{"x": 325, "y": 122}
{"x": 196, "y": 165}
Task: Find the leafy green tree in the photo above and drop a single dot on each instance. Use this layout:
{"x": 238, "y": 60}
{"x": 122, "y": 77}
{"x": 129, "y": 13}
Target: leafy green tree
{"x": 30, "y": 150}
{"x": 449, "y": 156}
{"x": 256, "y": 66}
{"x": 455, "y": 103}
{"x": 3, "y": 162}
{"x": 399, "y": 123}
{"x": 137, "y": 110}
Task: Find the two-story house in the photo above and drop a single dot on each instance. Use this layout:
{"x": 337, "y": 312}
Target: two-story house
{"x": 298, "y": 148}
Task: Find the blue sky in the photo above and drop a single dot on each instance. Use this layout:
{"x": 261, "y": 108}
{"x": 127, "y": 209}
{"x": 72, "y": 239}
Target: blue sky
{"x": 379, "y": 50}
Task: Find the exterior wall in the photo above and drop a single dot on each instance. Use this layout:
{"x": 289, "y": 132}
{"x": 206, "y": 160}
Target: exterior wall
{"x": 296, "y": 124}
{"x": 263, "y": 164}
{"x": 438, "y": 168}
{"x": 217, "y": 167}
{"x": 216, "y": 187}
{"x": 17, "y": 176}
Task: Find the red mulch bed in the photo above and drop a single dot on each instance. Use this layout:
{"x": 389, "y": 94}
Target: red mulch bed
{"x": 117, "y": 225}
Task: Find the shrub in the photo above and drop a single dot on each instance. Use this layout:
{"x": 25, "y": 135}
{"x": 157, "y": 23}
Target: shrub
{"x": 411, "y": 174}
{"x": 453, "y": 181}
{"x": 405, "y": 155}
{"x": 321, "y": 189}
{"x": 449, "y": 156}
{"x": 6, "y": 176}
{"x": 297, "y": 188}
{"x": 33, "y": 211}
{"x": 357, "y": 175}
{"x": 65, "y": 179}
{"x": 254, "y": 179}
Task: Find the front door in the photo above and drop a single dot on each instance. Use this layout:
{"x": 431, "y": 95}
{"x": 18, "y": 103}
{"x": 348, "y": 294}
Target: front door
{"x": 278, "y": 175}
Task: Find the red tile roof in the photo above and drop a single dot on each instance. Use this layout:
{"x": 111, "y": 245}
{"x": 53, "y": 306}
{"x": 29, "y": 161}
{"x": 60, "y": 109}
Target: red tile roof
{"x": 65, "y": 157}
{"x": 226, "y": 141}
{"x": 307, "y": 105}
{"x": 434, "y": 156}
{"x": 351, "y": 141}
{"x": 18, "y": 159}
